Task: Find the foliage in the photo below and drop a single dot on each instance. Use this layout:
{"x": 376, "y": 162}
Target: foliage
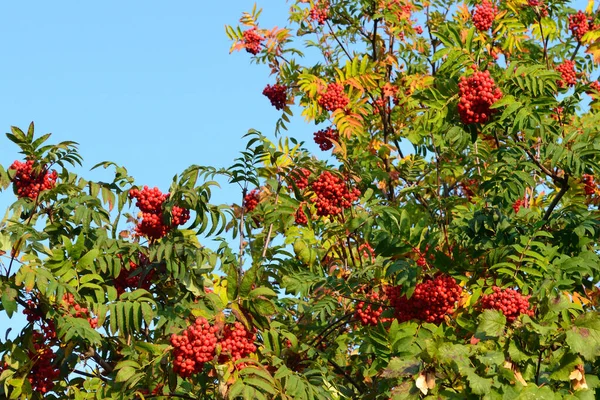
{"x": 445, "y": 247}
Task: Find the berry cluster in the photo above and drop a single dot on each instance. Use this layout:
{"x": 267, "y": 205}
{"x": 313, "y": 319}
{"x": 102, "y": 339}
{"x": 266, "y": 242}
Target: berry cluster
{"x": 237, "y": 342}
{"x": 300, "y": 216}
{"x": 28, "y": 183}
{"x": 477, "y": 93}
{"x": 518, "y": 204}
{"x": 132, "y": 278}
{"x": 484, "y": 15}
{"x": 590, "y": 186}
{"x": 334, "y": 97}
{"x": 277, "y": 94}
{"x": 538, "y": 6}
{"x": 430, "y": 302}
{"x": 594, "y": 89}
{"x": 367, "y": 252}
{"x": 253, "y": 41}
{"x": 300, "y": 177}
{"x": 368, "y": 312}
{"x": 150, "y": 202}
{"x": 324, "y": 138}
{"x": 580, "y": 24}
{"x": 193, "y": 348}
{"x": 318, "y": 12}
{"x": 567, "y": 73}
{"x": 43, "y": 373}
{"x": 251, "y": 200}
{"x": 468, "y": 188}
{"x": 332, "y": 194}
{"x": 76, "y": 310}
{"x": 509, "y": 301}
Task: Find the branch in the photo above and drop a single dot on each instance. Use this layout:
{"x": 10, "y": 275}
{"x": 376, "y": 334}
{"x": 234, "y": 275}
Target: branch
{"x": 99, "y": 360}
{"x": 338, "y": 40}
{"x": 563, "y": 189}
{"x": 340, "y": 371}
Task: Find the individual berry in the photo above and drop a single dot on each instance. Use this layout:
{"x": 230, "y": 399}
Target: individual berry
{"x": 277, "y": 94}
{"x": 431, "y": 301}
{"x": 251, "y": 200}
{"x": 367, "y": 252}
{"x": 318, "y": 12}
{"x": 484, "y": 15}
{"x": 332, "y": 194}
{"x": 325, "y": 138}
{"x": 194, "y": 347}
{"x": 300, "y": 216}
{"x": 334, "y": 97}
{"x": 369, "y": 311}
{"x": 300, "y": 177}
{"x": 579, "y": 25}
{"x": 28, "y": 183}
{"x": 237, "y": 342}
{"x": 253, "y": 41}
{"x": 477, "y": 94}
{"x": 510, "y": 302}
{"x": 567, "y": 73}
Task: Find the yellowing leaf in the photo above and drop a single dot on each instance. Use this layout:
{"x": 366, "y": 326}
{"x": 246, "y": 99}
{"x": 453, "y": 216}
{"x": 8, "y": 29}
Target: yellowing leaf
{"x": 590, "y": 7}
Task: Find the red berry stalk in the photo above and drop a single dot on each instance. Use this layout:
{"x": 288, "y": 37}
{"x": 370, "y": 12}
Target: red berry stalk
{"x": 325, "y": 138}
{"x": 194, "y": 347}
{"x": 477, "y": 94}
{"x": 251, "y": 200}
{"x": 509, "y": 301}
{"x": 277, "y": 94}
{"x": 28, "y": 183}
{"x": 253, "y": 41}
{"x": 431, "y": 301}
{"x": 237, "y": 342}
{"x": 484, "y": 15}
{"x": 332, "y": 194}
{"x": 334, "y": 97}
{"x": 567, "y": 73}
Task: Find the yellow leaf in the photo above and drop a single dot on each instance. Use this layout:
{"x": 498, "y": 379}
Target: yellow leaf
{"x": 590, "y": 7}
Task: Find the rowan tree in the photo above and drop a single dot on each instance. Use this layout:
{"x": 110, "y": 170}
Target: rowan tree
{"x": 443, "y": 242}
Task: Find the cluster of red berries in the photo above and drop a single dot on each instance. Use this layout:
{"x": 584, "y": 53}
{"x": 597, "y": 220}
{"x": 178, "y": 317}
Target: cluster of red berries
{"x": 484, "y": 15}
{"x": 590, "y": 186}
{"x": 77, "y": 311}
{"x": 34, "y": 314}
{"x": 468, "y": 188}
{"x": 198, "y": 343}
{"x": 332, "y": 194}
{"x": 129, "y": 279}
{"x": 237, "y": 342}
{"x": 318, "y": 12}
{"x": 567, "y": 73}
{"x": 509, "y": 301}
{"x": 300, "y": 177}
{"x": 580, "y": 24}
{"x": 253, "y": 41}
{"x": 277, "y": 94}
{"x": 300, "y": 216}
{"x": 518, "y": 204}
{"x": 195, "y": 346}
{"x": 368, "y": 312}
{"x": 43, "y": 373}
{"x": 431, "y": 301}
{"x": 595, "y": 88}
{"x": 477, "y": 93}
{"x": 251, "y": 200}
{"x": 325, "y": 138}
{"x": 28, "y": 183}
{"x": 334, "y": 97}
{"x": 150, "y": 202}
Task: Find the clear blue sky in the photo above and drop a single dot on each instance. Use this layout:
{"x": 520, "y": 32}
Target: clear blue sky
{"x": 147, "y": 84}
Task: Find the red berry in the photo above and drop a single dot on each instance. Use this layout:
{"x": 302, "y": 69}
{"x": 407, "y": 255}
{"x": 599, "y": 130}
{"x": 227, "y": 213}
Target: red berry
{"x": 318, "y": 12}
{"x": 253, "y": 41}
{"x": 150, "y": 202}
{"x": 194, "y": 347}
{"x": 324, "y": 138}
{"x": 510, "y": 302}
{"x": 567, "y": 73}
{"x": 334, "y": 97}
{"x": 332, "y": 194}
{"x": 28, "y": 183}
{"x": 251, "y": 200}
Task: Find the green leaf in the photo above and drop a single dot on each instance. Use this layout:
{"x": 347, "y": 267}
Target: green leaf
{"x": 8, "y": 300}
{"x": 491, "y": 324}
{"x": 584, "y": 337}
{"x": 264, "y": 307}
